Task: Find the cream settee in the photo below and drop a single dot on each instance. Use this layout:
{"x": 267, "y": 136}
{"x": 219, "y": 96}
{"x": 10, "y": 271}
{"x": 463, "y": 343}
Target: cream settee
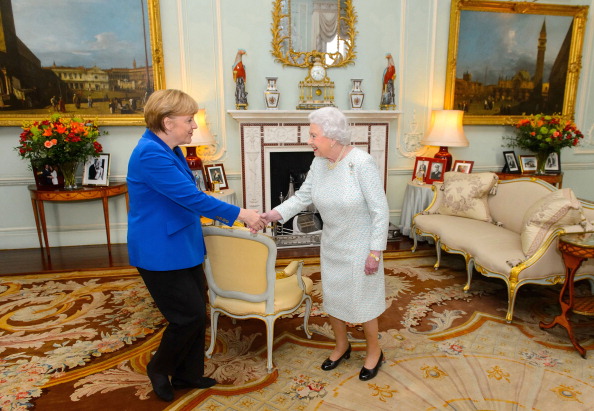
{"x": 505, "y": 229}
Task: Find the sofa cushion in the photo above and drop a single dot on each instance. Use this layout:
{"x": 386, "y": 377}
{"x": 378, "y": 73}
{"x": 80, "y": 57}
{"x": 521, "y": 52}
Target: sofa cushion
{"x": 557, "y": 209}
{"x": 465, "y": 195}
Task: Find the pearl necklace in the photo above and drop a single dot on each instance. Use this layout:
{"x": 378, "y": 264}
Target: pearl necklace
{"x": 332, "y": 166}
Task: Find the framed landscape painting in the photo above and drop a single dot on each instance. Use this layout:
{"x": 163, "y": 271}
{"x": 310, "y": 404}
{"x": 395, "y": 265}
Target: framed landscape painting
{"x": 97, "y": 60}
{"x": 528, "y": 163}
{"x": 507, "y": 60}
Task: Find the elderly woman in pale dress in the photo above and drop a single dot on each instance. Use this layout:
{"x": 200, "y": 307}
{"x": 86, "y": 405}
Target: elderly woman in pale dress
{"x": 345, "y": 186}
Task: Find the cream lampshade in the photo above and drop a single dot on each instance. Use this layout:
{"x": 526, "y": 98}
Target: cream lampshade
{"x": 445, "y": 131}
{"x": 201, "y": 137}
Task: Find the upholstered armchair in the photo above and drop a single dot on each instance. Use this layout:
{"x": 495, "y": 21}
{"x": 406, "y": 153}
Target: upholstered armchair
{"x": 242, "y": 281}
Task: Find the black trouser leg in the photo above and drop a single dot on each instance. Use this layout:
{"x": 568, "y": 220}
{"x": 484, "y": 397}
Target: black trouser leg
{"x": 179, "y": 295}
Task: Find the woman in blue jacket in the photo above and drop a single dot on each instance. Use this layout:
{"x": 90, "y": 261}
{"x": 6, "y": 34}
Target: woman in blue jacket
{"x": 165, "y": 239}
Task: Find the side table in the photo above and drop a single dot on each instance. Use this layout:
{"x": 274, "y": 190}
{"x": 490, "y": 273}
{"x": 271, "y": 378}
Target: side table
{"x": 417, "y": 197}
{"x": 38, "y": 196}
{"x": 227, "y": 195}
{"x": 575, "y": 249}
{"x": 553, "y": 179}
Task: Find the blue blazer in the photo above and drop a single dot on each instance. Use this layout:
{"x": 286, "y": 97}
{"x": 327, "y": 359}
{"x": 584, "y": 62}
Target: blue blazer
{"x": 164, "y": 229}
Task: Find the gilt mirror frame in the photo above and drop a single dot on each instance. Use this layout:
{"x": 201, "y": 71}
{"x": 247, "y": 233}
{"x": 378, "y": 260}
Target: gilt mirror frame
{"x": 456, "y": 88}
{"x": 304, "y": 59}
{"x": 29, "y": 111}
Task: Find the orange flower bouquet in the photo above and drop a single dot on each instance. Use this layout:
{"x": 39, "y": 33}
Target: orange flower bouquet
{"x": 544, "y": 134}
{"x": 65, "y": 142}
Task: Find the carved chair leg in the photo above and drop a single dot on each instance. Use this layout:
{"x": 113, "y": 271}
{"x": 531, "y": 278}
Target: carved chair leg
{"x": 214, "y": 319}
{"x": 269, "y": 342}
{"x": 306, "y": 316}
{"x": 438, "y": 252}
{"x": 469, "y": 272}
{"x": 512, "y": 292}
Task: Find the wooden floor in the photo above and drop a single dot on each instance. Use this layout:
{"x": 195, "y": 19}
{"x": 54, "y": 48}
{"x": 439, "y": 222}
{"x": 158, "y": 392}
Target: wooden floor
{"x": 32, "y": 261}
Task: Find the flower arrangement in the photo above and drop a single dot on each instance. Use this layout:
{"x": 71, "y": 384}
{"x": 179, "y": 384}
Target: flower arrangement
{"x": 59, "y": 141}
{"x": 545, "y": 133}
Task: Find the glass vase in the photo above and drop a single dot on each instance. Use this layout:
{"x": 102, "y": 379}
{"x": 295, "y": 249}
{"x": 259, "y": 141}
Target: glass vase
{"x": 69, "y": 173}
{"x": 541, "y": 161}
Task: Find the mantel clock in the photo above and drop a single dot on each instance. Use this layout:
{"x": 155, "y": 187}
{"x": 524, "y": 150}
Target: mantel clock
{"x": 317, "y": 90}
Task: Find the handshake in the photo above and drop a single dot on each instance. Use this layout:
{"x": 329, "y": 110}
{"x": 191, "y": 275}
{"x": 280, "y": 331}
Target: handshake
{"x": 256, "y": 221}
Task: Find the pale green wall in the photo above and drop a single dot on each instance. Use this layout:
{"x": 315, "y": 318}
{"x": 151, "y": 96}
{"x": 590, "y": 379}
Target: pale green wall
{"x": 200, "y": 39}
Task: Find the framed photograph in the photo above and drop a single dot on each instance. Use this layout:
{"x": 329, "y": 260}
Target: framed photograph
{"x": 200, "y": 181}
{"x": 511, "y": 164}
{"x": 96, "y": 171}
{"x": 105, "y": 72}
{"x": 463, "y": 166}
{"x": 510, "y": 59}
{"x": 216, "y": 172}
{"x": 421, "y": 168}
{"x": 48, "y": 177}
{"x": 553, "y": 163}
{"x": 528, "y": 164}
{"x": 437, "y": 168}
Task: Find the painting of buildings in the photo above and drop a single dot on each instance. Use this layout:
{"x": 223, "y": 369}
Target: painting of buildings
{"x": 512, "y": 64}
{"x": 89, "y": 73}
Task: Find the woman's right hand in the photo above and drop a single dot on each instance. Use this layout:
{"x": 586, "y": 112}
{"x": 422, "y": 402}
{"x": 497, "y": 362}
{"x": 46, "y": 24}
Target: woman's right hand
{"x": 271, "y": 216}
{"x": 252, "y": 219}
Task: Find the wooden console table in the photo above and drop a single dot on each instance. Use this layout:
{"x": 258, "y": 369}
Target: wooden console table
{"x": 575, "y": 249}
{"x": 38, "y": 196}
{"x": 553, "y": 179}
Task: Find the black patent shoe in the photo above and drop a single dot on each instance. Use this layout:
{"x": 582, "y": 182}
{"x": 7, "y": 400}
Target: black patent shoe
{"x": 161, "y": 384}
{"x": 328, "y": 364}
{"x": 202, "y": 382}
{"x": 366, "y": 375}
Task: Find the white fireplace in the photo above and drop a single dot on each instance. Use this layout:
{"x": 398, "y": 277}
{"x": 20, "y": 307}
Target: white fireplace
{"x": 264, "y": 132}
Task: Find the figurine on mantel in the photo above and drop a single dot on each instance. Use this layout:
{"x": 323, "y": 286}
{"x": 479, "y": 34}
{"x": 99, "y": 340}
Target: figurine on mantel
{"x": 388, "y": 94}
{"x": 239, "y": 78}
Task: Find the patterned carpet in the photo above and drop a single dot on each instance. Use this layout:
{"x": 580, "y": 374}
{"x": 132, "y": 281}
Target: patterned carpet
{"x": 81, "y": 340}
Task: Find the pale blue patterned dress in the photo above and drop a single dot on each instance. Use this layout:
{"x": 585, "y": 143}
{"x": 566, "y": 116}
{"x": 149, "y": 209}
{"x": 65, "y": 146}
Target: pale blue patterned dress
{"x": 353, "y": 206}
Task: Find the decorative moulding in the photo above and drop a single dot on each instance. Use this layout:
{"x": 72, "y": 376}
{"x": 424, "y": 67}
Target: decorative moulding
{"x": 254, "y": 116}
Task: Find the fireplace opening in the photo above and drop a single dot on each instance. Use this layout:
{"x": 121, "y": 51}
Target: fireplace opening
{"x": 288, "y": 171}
{"x": 284, "y": 167}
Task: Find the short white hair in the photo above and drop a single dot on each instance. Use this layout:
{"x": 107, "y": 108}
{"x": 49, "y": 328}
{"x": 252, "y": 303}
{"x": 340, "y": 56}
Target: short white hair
{"x": 333, "y": 123}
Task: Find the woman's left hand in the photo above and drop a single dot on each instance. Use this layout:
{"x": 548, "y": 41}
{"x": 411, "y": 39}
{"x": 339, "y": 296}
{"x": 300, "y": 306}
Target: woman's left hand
{"x": 372, "y": 263}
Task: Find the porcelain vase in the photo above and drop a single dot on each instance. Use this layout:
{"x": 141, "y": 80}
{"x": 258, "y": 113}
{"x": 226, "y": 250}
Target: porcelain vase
{"x": 356, "y": 95}
{"x": 271, "y": 94}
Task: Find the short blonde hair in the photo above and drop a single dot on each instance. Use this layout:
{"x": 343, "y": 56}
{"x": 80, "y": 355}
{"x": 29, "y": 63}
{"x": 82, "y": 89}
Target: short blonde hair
{"x": 167, "y": 103}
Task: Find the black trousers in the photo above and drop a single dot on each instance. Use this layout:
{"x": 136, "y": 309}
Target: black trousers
{"x": 179, "y": 295}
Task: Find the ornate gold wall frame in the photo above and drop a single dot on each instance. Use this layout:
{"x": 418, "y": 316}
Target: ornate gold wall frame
{"x": 20, "y": 103}
{"x": 505, "y": 95}
{"x": 282, "y": 40}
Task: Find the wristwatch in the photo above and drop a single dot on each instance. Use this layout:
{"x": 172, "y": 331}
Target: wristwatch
{"x": 375, "y": 257}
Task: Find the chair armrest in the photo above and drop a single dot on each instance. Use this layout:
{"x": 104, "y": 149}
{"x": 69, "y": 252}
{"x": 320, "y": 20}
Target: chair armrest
{"x": 294, "y": 268}
{"x": 289, "y": 270}
{"x": 436, "y": 201}
{"x": 550, "y": 242}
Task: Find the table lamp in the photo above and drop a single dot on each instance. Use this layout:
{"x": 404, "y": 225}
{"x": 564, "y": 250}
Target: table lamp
{"x": 445, "y": 131}
{"x": 201, "y": 137}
